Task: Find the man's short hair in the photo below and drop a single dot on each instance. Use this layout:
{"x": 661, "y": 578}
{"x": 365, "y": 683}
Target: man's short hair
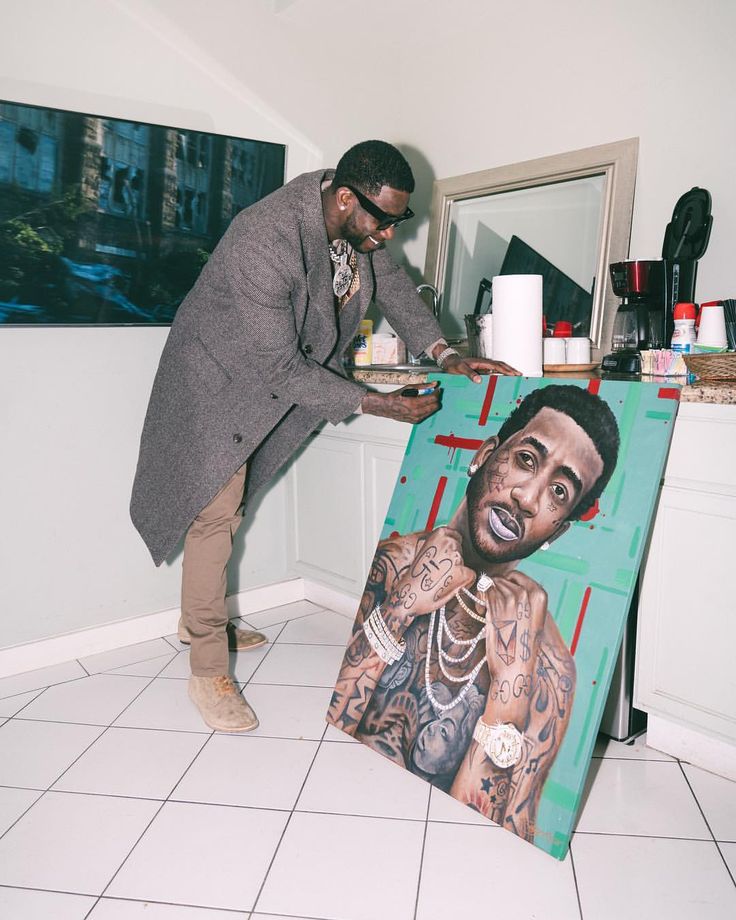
{"x": 372, "y": 164}
{"x": 587, "y": 410}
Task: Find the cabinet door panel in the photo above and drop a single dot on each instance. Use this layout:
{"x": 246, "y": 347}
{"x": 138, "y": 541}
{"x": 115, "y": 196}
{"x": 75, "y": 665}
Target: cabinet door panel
{"x": 688, "y": 612}
{"x": 328, "y": 513}
{"x": 382, "y": 467}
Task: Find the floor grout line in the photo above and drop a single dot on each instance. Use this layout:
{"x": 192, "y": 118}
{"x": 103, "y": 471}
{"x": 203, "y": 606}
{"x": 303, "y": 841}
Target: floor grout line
{"x": 56, "y": 683}
{"x": 422, "y": 851}
{"x": 286, "y": 825}
{"x": 41, "y": 794}
{"x": 82, "y": 667}
{"x": 207, "y": 737}
{"x": 697, "y": 801}
{"x": 155, "y": 815}
{"x": 707, "y": 823}
{"x": 575, "y": 879}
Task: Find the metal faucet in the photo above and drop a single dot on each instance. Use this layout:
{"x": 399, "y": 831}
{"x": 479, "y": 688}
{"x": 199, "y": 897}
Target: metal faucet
{"x": 435, "y": 297}
{"x": 415, "y": 359}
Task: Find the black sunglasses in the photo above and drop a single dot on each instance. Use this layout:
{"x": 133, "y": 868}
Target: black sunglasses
{"x": 384, "y": 220}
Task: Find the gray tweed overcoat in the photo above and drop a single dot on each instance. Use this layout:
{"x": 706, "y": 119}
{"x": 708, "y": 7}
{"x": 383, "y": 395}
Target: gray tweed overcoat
{"x": 252, "y": 363}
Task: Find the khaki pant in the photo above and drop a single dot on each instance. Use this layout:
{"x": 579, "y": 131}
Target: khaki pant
{"x": 207, "y": 549}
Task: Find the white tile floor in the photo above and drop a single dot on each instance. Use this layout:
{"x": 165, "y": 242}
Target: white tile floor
{"x": 117, "y": 802}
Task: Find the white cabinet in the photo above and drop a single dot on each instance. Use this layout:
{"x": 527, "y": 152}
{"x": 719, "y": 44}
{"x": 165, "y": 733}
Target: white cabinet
{"x": 327, "y": 498}
{"x": 685, "y": 677}
{"x": 341, "y": 486}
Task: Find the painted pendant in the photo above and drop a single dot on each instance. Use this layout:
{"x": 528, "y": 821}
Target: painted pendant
{"x": 342, "y": 280}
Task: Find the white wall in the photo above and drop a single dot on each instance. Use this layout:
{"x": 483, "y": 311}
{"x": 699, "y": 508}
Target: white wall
{"x": 474, "y": 84}
{"x": 460, "y": 86}
{"x": 73, "y": 400}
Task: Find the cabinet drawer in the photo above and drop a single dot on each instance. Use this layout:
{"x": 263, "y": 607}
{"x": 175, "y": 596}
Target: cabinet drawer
{"x": 703, "y": 451}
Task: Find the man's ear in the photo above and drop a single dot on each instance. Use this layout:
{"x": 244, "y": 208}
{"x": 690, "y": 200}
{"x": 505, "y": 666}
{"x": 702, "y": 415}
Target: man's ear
{"x": 344, "y": 198}
{"x": 484, "y": 452}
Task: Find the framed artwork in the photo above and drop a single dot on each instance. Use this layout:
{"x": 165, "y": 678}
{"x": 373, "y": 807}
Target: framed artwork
{"x": 488, "y": 631}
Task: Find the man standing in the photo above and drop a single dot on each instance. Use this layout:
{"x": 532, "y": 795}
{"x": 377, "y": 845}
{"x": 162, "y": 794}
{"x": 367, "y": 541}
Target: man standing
{"x": 253, "y": 364}
{"x": 456, "y": 670}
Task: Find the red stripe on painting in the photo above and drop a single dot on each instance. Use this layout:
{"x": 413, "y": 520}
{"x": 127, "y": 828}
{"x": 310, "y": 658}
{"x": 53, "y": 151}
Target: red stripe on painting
{"x": 579, "y": 624}
{"x": 439, "y": 492}
{"x": 449, "y": 440}
{"x": 594, "y": 386}
{"x": 668, "y": 393}
{"x": 486, "y": 409}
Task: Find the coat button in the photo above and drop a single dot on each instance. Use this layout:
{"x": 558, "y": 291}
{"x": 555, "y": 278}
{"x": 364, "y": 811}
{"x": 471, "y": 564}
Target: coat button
{"x": 307, "y": 349}
{"x": 237, "y": 438}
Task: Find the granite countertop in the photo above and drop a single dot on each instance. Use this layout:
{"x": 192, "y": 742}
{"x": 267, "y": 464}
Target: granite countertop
{"x": 389, "y": 375}
{"x": 710, "y": 391}
{"x": 701, "y": 391}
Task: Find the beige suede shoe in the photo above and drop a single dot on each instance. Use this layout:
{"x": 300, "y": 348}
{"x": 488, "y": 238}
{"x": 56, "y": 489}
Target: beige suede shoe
{"x": 220, "y": 704}
{"x": 238, "y": 640}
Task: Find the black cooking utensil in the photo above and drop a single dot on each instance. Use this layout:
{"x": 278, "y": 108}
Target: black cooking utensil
{"x": 687, "y": 234}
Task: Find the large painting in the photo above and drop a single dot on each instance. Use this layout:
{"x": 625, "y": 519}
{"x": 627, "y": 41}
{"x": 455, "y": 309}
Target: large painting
{"x": 489, "y": 627}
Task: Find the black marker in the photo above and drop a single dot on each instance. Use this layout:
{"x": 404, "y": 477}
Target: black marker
{"x": 418, "y": 391}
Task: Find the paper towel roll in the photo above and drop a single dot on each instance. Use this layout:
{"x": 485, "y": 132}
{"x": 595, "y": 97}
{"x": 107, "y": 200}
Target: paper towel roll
{"x": 517, "y": 322}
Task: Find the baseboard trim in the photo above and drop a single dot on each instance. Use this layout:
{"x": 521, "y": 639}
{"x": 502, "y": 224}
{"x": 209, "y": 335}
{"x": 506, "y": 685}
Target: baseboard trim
{"x": 692, "y": 746}
{"x": 274, "y": 595}
{"x": 57, "y": 649}
{"x": 334, "y": 598}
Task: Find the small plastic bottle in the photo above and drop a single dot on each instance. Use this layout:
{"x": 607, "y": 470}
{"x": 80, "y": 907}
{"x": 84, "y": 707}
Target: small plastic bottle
{"x": 363, "y": 344}
{"x": 683, "y": 337}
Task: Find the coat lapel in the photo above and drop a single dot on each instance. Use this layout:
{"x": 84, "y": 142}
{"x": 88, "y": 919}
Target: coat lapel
{"x": 316, "y": 251}
{"x": 367, "y": 286}
{"x": 317, "y": 256}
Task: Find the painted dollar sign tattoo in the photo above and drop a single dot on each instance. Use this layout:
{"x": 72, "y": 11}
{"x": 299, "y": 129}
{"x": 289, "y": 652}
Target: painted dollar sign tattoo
{"x": 525, "y": 652}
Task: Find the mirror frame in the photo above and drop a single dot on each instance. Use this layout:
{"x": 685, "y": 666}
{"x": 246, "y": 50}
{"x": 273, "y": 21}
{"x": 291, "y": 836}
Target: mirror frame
{"x": 616, "y": 161}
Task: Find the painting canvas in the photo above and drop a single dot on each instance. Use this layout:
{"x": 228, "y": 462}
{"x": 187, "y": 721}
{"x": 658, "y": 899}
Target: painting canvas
{"x": 487, "y": 634}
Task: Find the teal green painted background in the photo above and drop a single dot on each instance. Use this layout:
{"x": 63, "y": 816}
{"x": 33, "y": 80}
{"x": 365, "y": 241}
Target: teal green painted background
{"x": 603, "y": 554}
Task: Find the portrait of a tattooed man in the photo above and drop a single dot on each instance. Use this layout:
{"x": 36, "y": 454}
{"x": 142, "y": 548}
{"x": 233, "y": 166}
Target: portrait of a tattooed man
{"x": 456, "y": 670}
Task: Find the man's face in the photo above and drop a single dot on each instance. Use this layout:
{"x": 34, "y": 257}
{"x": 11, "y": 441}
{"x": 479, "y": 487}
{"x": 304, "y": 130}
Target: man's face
{"x": 360, "y": 228}
{"x": 527, "y": 487}
{"x": 435, "y": 745}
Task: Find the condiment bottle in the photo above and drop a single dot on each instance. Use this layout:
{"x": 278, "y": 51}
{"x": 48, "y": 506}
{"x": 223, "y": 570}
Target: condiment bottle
{"x": 363, "y": 344}
{"x": 683, "y": 336}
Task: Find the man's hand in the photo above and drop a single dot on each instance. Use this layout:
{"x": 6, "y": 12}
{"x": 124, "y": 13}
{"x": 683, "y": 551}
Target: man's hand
{"x": 403, "y": 408}
{"x": 474, "y": 367}
{"x": 436, "y": 573}
{"x": 517, "y": 609}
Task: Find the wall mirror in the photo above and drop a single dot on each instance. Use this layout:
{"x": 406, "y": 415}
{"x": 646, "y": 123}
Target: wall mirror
{"x": 566, "y": 217}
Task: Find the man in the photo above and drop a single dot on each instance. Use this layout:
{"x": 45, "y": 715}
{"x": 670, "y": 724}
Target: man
{"x": 455, "y": 669}
{"x": 253, "y": 364}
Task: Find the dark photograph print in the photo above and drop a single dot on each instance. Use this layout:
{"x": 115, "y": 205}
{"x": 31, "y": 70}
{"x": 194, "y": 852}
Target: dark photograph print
{"x": 105, "y": 221}
{"x": 486, "y": 636}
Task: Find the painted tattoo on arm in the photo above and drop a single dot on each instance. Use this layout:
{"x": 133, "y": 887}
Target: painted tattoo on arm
{"x": 411, "y": 576}
{"x": 361, "y": 667}
{"x": 510, "y": 796}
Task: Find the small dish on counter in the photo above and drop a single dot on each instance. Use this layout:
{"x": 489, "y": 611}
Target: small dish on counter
{"x": 569, "y": 368}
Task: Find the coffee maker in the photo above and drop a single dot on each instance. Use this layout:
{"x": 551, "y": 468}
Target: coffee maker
{"x": 649, "y": 289}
